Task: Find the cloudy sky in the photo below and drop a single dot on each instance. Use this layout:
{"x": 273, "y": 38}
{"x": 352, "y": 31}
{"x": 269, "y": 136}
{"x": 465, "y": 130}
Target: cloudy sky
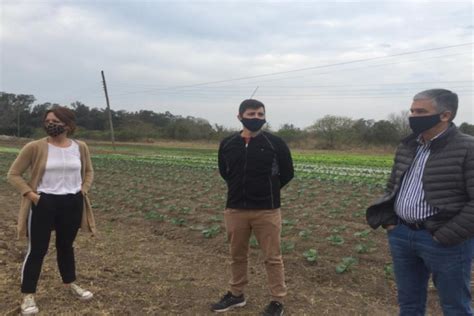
{"x": 363, "y": 59}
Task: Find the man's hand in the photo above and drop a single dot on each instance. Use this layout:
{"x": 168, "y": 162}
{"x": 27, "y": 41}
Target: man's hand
{"x": 390, "y": 227}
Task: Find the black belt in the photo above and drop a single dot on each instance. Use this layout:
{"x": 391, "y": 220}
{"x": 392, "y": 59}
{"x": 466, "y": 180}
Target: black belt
{"x": 413, "y": 226}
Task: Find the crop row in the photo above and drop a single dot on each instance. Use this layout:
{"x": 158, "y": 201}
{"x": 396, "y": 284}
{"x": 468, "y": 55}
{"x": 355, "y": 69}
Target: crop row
{"x": 370, "y": 175}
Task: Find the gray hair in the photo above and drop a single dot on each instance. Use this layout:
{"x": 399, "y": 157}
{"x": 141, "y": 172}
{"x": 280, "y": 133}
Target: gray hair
{"x": 443, "y": 100}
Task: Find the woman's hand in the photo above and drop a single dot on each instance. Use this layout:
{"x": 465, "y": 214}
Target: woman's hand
{"x": 33, "y": 197}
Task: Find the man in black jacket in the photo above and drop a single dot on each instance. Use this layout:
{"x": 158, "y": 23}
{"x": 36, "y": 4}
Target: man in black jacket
{"x": 255, "y": 165}
{"x": 428, "y": 209}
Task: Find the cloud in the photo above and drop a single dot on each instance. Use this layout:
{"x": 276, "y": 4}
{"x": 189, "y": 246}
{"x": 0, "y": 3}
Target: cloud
{"x": 56, "y": 49}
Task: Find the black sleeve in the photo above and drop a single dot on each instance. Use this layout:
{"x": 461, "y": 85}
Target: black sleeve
{"x": 285, "y": 163}
{"x": 393, "y": 174}
{"x": 221, "y": 162}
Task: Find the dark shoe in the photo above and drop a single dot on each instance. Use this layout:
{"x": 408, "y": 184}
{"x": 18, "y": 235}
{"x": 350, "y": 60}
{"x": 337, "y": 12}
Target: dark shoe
{"x": 227, "y": 302}
{"x": 273, "y": 309}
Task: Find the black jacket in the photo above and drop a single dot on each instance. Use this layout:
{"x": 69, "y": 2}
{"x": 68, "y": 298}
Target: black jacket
{"x": 448, "y": 183}
{"x": 256, "y": 172}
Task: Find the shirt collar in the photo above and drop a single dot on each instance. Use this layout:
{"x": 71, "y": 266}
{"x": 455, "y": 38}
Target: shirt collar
{"x": 420, "y": 140}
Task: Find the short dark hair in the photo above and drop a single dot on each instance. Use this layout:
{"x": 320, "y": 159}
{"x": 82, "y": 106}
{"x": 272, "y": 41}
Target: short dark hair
{"x": 443, "y": 100}
{"x": 65, "y": 115}
{"x": 250, "y": 104}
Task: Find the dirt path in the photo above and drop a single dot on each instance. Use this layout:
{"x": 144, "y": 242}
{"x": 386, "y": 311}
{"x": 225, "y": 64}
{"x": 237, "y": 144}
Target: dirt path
{"x": 139, "y": 267}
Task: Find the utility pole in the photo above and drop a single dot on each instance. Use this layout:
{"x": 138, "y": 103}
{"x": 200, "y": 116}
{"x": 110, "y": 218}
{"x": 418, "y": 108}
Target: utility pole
{"x": 18, "y": 117}
{"x": 254, "y": 91}
{"x": 108, "y": 110}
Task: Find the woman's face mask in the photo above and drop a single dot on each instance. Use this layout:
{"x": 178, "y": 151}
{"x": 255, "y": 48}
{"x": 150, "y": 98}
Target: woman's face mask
{"x": 54, "y": 129}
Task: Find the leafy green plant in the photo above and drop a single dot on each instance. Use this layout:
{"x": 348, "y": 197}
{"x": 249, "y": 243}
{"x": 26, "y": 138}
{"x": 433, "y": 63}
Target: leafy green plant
{"x": 311, "y": 255}
{"x": 362, "y": 234}
{"x": 287, "y": 246}
{"x": 285, "y": 230}
{"x": 305, "y": 233}
{"x": 185, "y": 210}
{"x": 339, "y": 229}
{"x": 216, "y": 218}
{"x": 336, "y": 240}
{"x": 172, "y": 208}
{"x": 288, "y": 222}
{"x": 178, "y": 221}
{"x": 212, "y": 231}
{"x": 362, "y": 248}
{"x": 253, "y": 242}
{"x": 346, "y": 264}
{"x": 388, "y": 270}
{"x": 155, "y": 216}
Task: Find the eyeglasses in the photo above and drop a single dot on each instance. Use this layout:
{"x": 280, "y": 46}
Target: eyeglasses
{"x": 52, "y": 121}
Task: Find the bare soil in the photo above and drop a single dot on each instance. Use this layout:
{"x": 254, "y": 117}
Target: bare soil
{"x": 140, "y": 266}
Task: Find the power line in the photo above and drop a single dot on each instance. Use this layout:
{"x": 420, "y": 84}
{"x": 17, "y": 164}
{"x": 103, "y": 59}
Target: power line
{"x": 181, "y": 90}
{"x": 306, "y": 68}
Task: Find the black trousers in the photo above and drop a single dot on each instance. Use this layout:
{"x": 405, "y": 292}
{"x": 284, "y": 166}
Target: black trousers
{"x": 62, "y": 213}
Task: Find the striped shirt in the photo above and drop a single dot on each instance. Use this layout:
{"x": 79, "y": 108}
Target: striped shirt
{"x": 410, "y": 204}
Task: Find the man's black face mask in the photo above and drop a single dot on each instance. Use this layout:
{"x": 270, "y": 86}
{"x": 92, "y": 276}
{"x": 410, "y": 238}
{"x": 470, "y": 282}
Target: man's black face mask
{"x": 419, "y": 124}
{"x": 253, "y": 124}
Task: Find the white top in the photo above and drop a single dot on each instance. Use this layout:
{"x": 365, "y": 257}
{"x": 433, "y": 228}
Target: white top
{"x": 63, "y": 170}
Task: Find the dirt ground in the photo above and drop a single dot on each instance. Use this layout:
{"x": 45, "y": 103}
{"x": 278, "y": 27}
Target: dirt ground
{"x": 138, "y": 266}
{"x": 135, "y": 268}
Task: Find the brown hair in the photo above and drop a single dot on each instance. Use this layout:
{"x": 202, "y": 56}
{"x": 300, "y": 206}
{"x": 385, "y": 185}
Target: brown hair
{"x": 250, "y": 104}
{"x": 65, "y": 115}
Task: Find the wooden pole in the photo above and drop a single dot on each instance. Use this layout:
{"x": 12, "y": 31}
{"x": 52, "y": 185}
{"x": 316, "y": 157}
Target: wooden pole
{"x": 18, "y": 118}
{"x": 254, "y": 91}
{"x": 108, "y": 110}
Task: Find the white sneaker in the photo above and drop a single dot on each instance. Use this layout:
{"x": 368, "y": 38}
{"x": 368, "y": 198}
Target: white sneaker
{"x": 28, "y": 307}
{"x": 79, "y": 292}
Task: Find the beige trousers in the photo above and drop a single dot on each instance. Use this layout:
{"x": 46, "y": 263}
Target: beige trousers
{"x": 266, "y": 226}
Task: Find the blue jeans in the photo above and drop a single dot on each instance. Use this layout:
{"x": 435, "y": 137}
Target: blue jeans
{"x": 415, "y": 256}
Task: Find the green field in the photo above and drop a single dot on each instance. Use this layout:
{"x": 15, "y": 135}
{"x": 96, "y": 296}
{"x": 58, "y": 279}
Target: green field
{"x": 342, "y": 167}
{"x": 178, "y": 193}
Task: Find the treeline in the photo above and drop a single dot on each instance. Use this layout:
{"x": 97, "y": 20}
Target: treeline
{"x": 19, "y": 116}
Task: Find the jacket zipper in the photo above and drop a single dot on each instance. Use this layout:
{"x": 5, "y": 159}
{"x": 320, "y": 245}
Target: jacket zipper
{"x": 271, "y": 191}
{"x": 245, "y": 172}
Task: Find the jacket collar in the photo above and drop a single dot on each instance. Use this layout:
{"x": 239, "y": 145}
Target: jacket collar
{"x": 438, "y": 142}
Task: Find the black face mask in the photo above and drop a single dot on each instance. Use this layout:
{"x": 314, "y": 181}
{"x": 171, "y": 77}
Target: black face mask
{"x": 54, "y": 130}
{"x": 419, "y": 124}
{"x": 253, "y": 124}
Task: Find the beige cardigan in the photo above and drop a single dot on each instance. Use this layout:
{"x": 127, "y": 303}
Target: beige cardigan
{"x": 33, "y": 156}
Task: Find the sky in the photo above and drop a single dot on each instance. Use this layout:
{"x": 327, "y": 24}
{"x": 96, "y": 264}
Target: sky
{"x": 302, "y": 59}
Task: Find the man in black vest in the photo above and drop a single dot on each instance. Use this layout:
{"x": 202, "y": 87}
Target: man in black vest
{"x": 255, "y": 165}
{"x": 428, "y": 209}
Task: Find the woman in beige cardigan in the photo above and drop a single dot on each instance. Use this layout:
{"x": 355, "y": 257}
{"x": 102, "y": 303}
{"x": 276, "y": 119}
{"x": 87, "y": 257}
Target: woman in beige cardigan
{"x": 54, "y": 198}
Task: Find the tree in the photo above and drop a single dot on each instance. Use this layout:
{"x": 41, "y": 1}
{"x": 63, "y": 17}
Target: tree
{"x": 361, "y": 130}
{"x": 383, "y": 132}
{"x": 400, "y": 121}
{"x": 7, "y": 114}
{"x": 467, "y": 128}
{"x": 290, "y": 133}
{"x": 221, "y": 131}
{"x": 189, "y": 128}
{"x": 38, "y": 111}
{"x": 15, "y": 116}
{"x": 333, "y": 130}
{"x": 82, "y": 113}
